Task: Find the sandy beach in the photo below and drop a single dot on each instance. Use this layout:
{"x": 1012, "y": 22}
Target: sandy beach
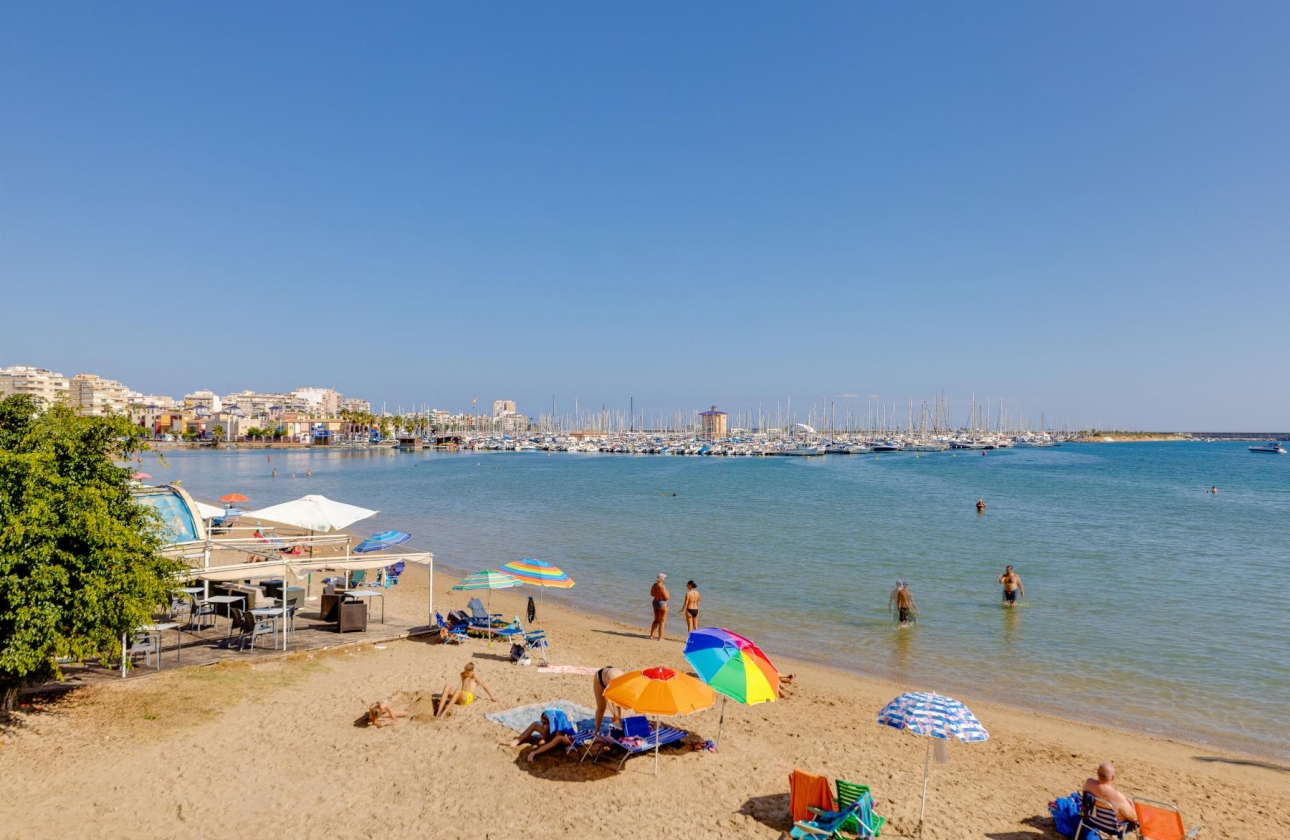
{"x": 274, "y": 750}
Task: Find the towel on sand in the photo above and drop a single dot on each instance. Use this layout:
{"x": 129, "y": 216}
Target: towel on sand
{"x": 520, "y": 717}
{"x": 567, "y": 669}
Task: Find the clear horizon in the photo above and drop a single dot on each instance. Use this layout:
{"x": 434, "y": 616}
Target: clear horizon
{"x": 1082, "y": 210}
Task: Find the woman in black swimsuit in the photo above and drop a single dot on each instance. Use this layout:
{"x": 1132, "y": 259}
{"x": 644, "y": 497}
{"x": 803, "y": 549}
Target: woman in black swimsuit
{"x": 599, "y": 683}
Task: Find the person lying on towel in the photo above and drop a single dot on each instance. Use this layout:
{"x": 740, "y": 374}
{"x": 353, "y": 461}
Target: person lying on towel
{"x": 552, "y": 729}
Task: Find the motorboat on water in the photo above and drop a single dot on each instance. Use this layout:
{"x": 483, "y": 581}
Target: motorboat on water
{"x": 801, "y": 450}
{"x": 886, "y": 446}
{"x": 1273, "y": 447}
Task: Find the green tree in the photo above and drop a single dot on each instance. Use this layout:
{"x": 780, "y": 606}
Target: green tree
{"x": 79, "y": 558}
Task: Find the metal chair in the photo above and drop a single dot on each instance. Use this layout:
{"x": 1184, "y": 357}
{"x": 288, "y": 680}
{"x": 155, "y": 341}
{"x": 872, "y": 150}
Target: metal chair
{"x": 149, "y": 645}
{"x": 201, "y": 613}
{"x": 250, "y": 627}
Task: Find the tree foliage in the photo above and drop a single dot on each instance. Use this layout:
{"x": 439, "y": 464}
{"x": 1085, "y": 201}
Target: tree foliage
{"x": 79, "y": 558}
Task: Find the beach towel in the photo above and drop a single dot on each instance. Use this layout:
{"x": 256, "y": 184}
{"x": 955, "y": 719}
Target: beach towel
{"x": 520, "y": 717}
{"x": 558, "y": 721}
{"x": 566, "y": 669}
{"x": 806, "y": 791}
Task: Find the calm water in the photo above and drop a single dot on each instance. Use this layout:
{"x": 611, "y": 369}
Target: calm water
{"x": 1150, "y": 603}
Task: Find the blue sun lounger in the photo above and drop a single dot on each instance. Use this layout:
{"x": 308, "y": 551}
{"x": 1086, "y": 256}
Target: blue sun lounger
{"x": 858, "y": 817}
{"x": 636, "y": 738}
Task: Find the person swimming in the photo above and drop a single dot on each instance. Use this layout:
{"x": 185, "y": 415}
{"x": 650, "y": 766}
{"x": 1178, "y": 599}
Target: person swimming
{"x": 980, "y": 505}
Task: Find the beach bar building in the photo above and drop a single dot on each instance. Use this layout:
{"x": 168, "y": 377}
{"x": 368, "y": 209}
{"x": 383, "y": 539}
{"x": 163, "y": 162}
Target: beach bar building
{"x": 713, "y": 424}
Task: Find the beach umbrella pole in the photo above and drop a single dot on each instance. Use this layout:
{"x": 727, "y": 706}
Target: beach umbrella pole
{"x": 720, "y": 722}
{"x": 927, "y": 769}
{"x": 656, "y": 745}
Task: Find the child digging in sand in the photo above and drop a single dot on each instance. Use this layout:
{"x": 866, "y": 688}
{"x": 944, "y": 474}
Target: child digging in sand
{"x": 381, "y": 713}
{"x": 465, "y": 695}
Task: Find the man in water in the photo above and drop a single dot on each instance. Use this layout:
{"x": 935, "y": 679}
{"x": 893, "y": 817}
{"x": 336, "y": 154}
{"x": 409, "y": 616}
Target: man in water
{"x": 980, "y": 505}
{"x": 1013, "y": 588}
{"x": 659, "y": 596}
{"x": 1102, "y": 789}
{"x": 903, "y": 603}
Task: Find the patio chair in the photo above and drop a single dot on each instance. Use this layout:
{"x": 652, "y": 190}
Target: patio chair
{"x": 849, "y": 792}
{"x": 637, "y": 737}
{"x": 178, "y": 603}
{"x": 454, "y": 634}
{"x": 202, "y": 612}
{"x": 148, "y": 644}
{"x": 1100, "y": 815}
{"x": 250, "y": 628}
{"x": 1161, "y": 821}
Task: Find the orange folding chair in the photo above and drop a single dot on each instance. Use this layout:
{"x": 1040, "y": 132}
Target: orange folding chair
{"x": 1161, "y": 821}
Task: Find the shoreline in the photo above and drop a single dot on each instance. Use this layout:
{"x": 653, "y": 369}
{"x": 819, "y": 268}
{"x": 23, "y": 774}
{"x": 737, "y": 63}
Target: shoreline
{"x": 624, "y": 621}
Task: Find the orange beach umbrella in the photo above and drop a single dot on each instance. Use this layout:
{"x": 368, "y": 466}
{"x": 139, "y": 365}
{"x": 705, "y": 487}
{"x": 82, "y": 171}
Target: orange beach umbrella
{"x": 232, "y": 498}
{"x": 661, "y": 692}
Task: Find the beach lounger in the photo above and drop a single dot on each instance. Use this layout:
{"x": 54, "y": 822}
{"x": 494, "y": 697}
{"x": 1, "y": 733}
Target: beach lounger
{"x": 637, "y": 737}
{"x": 535, "y": 640}
{"x": 1161, "y": 821}
{"x": 455, "y": 635}
{"x": 826, "y": 825}
{"x": 848, "y": 793}
{"x": 1100, "y": 815}
{"x": 480, "y": 617}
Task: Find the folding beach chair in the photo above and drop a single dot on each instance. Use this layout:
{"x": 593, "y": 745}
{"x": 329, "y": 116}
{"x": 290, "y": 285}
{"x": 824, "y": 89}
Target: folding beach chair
{"x": 849, "y": 792}
{"x": 826, "y": 825}
{"x": 807, "y": 791}
{"x": 1161, "y": 821}
{"x": 1100, "y": 815}
{"x": 455, "y": 635}
{"x": 392, "y": 574}
{"x": 480, "y": 617}
{"x": 637, "y": 737}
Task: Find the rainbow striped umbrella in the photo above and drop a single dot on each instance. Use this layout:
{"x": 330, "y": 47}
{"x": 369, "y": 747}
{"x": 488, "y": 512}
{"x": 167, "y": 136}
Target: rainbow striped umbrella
{"x": 733, "y": 666}
{"x": 539, "y": 573}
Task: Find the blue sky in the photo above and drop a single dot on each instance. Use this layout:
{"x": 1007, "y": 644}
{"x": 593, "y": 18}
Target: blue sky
{"x": 1081, "y": 209}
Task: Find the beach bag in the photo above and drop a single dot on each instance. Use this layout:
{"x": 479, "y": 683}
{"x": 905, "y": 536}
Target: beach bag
{"x": 517, "y": 653}
{"x": 1065, "y": 813}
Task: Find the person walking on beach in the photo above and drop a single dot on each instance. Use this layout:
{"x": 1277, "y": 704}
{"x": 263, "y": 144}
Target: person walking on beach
{"x": 692, "y": 598}
{"x": 1013, "y": 588}
{"x": 659, "y": 597}
{"x": 902, "y": 603}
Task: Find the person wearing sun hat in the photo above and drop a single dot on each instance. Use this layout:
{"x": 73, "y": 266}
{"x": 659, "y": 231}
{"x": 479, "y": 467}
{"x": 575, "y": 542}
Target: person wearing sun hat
{"x": 660, "y": 597}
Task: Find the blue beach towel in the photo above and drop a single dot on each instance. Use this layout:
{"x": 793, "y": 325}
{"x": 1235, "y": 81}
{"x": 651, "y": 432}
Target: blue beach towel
{"x": 558, "y": 721}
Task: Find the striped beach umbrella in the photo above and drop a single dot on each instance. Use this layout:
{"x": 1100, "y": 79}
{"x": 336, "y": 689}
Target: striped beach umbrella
{"x": 733, "y": 666}
{"x": 539, "y": 573}
{"x": 488, "y": 579}
{"x": 932, "y": 716}
{"x": 382, "y": 541}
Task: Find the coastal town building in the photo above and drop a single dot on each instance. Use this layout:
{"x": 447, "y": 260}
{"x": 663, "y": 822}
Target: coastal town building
{"x": 360, "y": 406}
{"x": 45, "y": 385}
{"x": 206, "y": 399}
{"x": 503, "y": 407}
{"x": 321, "y": 402}
{"x": 94, "y": 395}
{"x": 713, "y": 424}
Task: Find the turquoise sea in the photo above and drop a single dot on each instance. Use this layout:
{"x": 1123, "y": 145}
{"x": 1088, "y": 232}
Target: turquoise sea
{"x": 1150, "y": 604}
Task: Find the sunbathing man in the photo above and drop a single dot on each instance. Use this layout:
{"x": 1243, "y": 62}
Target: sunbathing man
{"x": 381, "y": 713}
{"x": 553, "y": 729}
{"x": 599, "y": 683}
{"x": 463, "y": 696}
{"x": 1102, "y": 789}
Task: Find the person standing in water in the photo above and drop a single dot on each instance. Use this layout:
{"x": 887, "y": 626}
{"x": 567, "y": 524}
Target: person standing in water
{"x": 980, "y": 505}
{"x": 902, "y": 602}
{"x": 1013, "y": 588}
{"x": 659, "y": 598}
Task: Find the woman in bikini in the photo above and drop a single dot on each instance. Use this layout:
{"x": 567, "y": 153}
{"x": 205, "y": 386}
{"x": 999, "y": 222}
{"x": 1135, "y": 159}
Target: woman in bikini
{"x": 692, "y": 598}
{"x": 659, "y": 595}
{"x": 599, "y": 683}
{"x": 463, "y": 696}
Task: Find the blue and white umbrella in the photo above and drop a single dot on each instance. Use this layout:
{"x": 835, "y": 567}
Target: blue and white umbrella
{"x": 931, "y": 715}
{"x": 382, "y": 541}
